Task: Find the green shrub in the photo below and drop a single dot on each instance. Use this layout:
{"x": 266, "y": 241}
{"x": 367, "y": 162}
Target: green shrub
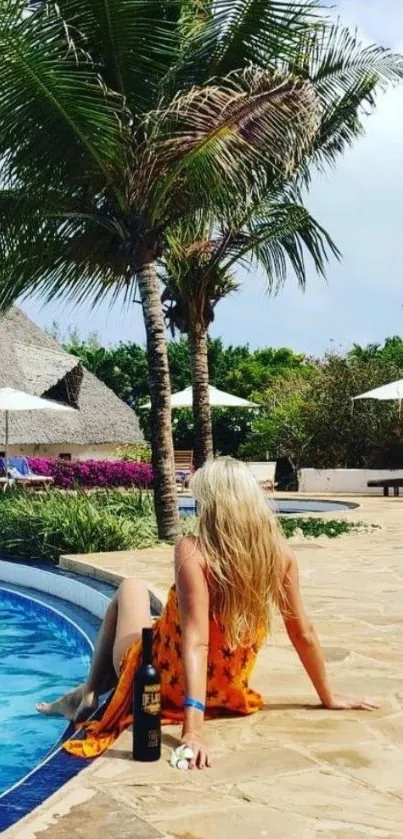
{"x": 44, "y": 526}
{"x": 317, "y": 526}
{"x": 313, "y": 527}
{"x": 135, "y": 453}
{"x": 41, "y": 527}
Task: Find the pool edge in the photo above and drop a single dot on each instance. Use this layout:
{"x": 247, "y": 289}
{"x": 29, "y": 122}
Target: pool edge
{"x": 57, "y": 767}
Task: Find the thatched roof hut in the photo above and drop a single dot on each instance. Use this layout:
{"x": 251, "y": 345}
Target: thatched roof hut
{"x": 34, "y": 362}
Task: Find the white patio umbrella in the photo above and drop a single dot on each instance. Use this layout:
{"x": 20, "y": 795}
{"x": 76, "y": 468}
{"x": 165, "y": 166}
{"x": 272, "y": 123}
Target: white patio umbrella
{"x": 218, "y": 399}
{"x": 390, "y": 392}
{"x": 17, "y": 400}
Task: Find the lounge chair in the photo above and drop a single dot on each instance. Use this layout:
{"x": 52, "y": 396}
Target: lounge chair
{"x": 18, "y": 470}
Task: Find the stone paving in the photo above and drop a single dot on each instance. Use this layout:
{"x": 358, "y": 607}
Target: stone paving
{"x": 294, "y": 771}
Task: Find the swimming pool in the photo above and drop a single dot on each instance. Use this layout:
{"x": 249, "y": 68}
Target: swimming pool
{"x": 282, "y": 506}
{"x": 48, "y": 624}
{"x": 42, "y": 654}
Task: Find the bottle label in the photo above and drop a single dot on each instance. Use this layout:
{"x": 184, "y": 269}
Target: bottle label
{"x": 151, "y": 699}
{"x": 153, "y": 738}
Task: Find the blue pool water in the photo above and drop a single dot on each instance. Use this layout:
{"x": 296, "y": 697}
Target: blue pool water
{"x": 284, "y": 507}
{"x": 42, "y": 655}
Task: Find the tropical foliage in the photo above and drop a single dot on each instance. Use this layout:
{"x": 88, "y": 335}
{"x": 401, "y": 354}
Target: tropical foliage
{"x": 306, "y": 415}
{"x": 122, "y": 118}
{"x": 44, "y": 526}
{"x": 313, "y": 528}
{"x": 93, "y": 473}
{"x": 312, "y": 421}
{"x": 274, "y": 231}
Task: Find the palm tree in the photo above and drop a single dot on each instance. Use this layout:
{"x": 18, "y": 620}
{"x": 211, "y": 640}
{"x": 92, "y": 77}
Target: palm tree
{"x": 200, "y": 262}
{"x": 119, "y": 119}
{"x": 199, "y": 267}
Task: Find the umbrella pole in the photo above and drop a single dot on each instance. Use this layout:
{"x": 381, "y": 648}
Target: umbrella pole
{"x": 7, "y": 436}
{"x": 7, "y": 421}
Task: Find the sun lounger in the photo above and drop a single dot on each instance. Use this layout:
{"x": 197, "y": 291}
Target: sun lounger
{"x": 18, "y": 470}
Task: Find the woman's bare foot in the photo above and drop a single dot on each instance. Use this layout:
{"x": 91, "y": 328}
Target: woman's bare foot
{"x": 76, "y": 705}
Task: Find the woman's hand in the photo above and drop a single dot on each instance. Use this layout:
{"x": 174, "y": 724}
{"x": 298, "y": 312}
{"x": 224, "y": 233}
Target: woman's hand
{"x": 201, "y": 758}
{"x": 350, "y": 703}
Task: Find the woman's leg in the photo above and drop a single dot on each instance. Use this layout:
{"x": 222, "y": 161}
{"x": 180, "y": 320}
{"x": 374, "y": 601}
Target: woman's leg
{"x": 124, "y": 620}
{"x": 130, "y": 621}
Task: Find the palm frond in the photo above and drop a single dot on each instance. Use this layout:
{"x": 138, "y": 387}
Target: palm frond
{"x": 56, "y": 251}
{"x": 336, "y": 60}
{"x": 215, "y": 143}
{"x": 133, "y": 43}
{"x": 347, "y": 76}
{"x": 51, "y": 98}
{"x": 277, "y": 235}
{"x": 260, "y": 32}
{"x": 191, "y": 289}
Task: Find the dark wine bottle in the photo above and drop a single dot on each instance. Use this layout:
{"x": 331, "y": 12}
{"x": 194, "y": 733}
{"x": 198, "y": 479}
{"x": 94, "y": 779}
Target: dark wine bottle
{"x": 147, "y": 705}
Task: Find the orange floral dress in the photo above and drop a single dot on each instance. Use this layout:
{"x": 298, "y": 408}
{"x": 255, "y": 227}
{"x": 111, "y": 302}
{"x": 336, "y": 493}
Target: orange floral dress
{"x": 228, "y": 673}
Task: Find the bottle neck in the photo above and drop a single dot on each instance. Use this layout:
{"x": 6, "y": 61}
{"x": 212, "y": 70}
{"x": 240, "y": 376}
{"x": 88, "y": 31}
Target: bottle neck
{"x": 147, "y": 646}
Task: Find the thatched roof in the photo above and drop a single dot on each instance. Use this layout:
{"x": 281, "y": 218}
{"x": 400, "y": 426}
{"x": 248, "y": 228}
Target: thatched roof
{"x": 32, "y": 361}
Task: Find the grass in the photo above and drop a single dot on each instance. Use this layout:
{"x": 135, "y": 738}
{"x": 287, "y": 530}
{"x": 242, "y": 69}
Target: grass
{"x": 44, "y": 526}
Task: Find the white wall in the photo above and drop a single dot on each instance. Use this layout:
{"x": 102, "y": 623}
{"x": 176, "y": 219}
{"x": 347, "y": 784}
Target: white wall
{"x": 263, "y": 471}
{"x": 344, "y": 481}
{"x": 102, "y": 452}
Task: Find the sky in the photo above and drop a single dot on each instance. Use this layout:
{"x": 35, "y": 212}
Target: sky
{"x": 359, "y": 203}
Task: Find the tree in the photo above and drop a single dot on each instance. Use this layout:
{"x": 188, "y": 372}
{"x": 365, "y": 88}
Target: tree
{"x": 308, "y": 416}
{"x": 343, "y": 435}
{"x": 391, "y": 353}
{"x": 238, "y": 369}
{"x": 122, "y": 368}
{"x": 120, "y": 119}
{"x": 198, "y": 274}
{"x": 201, "y": 260}
{"x": 279, "y": 429}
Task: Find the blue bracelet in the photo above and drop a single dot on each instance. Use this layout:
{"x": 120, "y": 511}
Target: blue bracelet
{"x": 194, "y": 703}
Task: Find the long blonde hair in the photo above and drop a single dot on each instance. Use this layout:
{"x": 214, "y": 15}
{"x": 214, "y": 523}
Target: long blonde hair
{"x": 242, "y": 545}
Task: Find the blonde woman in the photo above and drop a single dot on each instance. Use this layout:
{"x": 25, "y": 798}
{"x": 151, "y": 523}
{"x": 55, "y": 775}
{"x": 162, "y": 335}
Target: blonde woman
{"x": 230, "y": 579}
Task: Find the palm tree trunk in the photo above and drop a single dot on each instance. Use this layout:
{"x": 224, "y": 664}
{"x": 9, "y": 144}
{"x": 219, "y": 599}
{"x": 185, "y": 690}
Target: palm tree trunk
{"x": 165, "y": 494}
{"x": 203, "y": 429}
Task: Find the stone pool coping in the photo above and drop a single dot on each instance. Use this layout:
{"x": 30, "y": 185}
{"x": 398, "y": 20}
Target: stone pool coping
{"x": 294, "y": 771}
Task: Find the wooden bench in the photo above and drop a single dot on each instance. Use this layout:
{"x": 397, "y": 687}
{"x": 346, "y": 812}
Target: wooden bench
{"x": 183, "y": 466}
{"x": 386, "y": 484}
{"x": 183, "y": 459}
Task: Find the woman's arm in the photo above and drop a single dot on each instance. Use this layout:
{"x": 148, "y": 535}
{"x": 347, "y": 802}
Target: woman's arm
{"x": 305, "y": 641}
{"x": 193, "y": 597}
